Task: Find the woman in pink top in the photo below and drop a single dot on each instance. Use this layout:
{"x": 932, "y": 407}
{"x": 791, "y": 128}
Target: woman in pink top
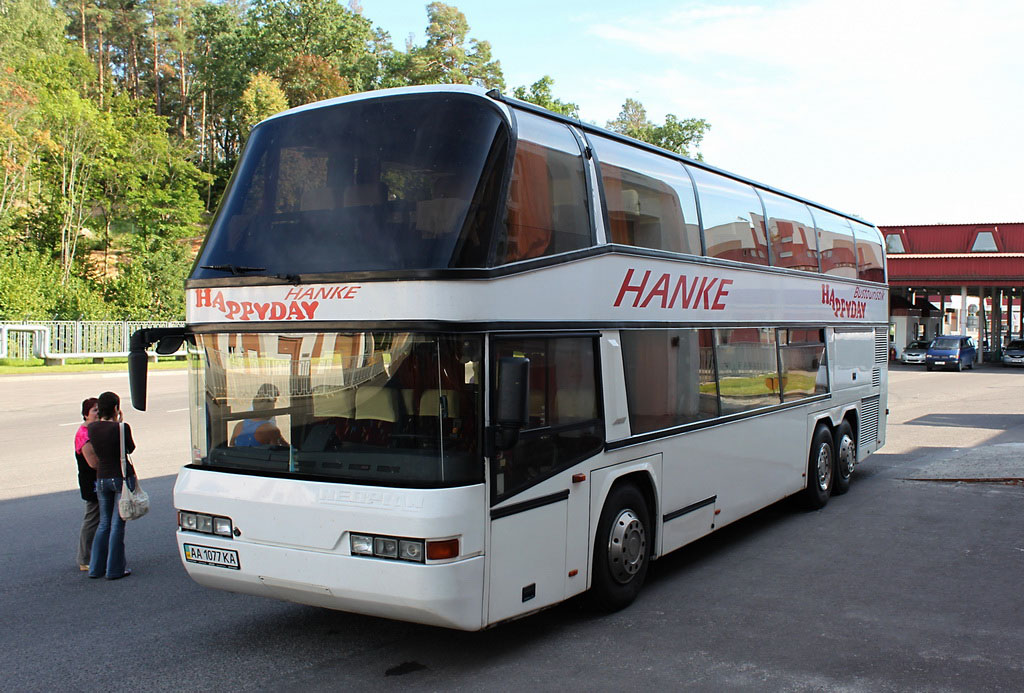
{"x": 87, "y": 485}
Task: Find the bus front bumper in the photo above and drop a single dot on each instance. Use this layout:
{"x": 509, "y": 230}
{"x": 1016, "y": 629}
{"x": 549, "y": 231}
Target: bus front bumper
{"x": 448, "y": 595}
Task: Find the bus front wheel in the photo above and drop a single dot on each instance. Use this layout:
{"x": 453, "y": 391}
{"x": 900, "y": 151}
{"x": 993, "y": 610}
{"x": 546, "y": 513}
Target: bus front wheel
{"x": 846, "y": 457}
{"x": 623, "y": 549}
{"x": 821, "y": 466}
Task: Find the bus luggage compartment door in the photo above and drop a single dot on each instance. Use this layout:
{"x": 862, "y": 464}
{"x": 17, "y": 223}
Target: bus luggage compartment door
{"x": 527, "y": 555}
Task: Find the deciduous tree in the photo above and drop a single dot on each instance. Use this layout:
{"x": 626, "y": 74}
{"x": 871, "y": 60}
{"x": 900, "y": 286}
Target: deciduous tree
{"x": 680, "y": 136}
{"x": 540, "y": 94}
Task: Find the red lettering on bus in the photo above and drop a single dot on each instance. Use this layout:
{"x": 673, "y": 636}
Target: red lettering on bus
{"x": 270, "y": 310}
{"x": 703, "y": 292}
{"x": 626, "y": 286}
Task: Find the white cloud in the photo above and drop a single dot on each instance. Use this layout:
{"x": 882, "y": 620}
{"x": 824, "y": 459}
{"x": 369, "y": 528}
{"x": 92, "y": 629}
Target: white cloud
{"x": 874, "y": 107}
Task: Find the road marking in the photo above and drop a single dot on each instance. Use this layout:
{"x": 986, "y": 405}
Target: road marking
{"x": 171, "y": 411}
{"x": 70, "y": 424}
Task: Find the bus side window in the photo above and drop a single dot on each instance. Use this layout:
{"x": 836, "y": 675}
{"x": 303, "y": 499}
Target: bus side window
{"x": 564, "y": 426}
{"x": 670, "y": 377}
{"x": 649, "y": 199}
{"x": 547, "y": 200}
{"x": 790, "y": 233}
{"x": 836, "y": 244}
{"x": 748, "y": 370}
{"x": 732, "y": 217}
{"x": 869, "y": 252}
{"x": 803, "y": 363}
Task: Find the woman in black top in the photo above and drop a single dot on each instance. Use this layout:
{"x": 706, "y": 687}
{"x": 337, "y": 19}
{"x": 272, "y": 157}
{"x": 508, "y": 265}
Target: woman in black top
{"x": 103, "y": 453}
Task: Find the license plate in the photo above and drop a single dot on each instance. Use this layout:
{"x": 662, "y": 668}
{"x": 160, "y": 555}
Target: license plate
{"x": 940, "y": 363}
{"x": 207, "y": 555}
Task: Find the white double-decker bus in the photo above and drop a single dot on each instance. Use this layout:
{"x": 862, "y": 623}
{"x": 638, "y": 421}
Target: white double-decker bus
{"x": 454, "y": 358}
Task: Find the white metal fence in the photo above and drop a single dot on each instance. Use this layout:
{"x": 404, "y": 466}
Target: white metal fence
{"x": 69, "y": 338}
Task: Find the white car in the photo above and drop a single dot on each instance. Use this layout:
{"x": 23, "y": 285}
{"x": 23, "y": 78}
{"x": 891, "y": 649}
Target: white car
{"x": 1013, "y": 354}
{"x": 915, "y": 351}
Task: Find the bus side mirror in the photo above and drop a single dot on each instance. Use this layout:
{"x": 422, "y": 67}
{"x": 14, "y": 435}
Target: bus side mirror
{"x": 138, "y": 368}
{"x": 169, "y": 341}
{"x": 170, "y": 344}
{"x": 512, "y": 405}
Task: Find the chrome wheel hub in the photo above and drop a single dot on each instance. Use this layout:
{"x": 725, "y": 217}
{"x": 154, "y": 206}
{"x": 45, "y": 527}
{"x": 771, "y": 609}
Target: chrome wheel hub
{"x": 847, "y": 456}
{"x": 824, "y": 467}
{"x": 627, "y": 546}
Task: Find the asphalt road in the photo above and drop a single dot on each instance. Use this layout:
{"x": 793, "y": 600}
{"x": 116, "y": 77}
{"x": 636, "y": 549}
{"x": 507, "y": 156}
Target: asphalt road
{"x": 899, "y": 585}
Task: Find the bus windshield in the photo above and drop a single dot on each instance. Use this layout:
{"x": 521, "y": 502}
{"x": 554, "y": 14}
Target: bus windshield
{"x": 387, "y": 408}
{"x": 376, "y": 184}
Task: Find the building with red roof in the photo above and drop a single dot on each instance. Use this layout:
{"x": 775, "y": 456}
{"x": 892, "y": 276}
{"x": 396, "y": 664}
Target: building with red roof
{"x": 978, "y": 268}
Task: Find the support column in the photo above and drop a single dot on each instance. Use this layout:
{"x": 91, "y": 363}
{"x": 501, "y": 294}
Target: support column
{"x": 998, "y": 320}
{"x": 982, "y": 323}
{"x": 942, "y": 312}
{"x": 963, "y": 310}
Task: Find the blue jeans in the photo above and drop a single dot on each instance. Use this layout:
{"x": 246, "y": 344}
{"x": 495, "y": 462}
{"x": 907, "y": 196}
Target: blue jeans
{"x": 108, "y": 544}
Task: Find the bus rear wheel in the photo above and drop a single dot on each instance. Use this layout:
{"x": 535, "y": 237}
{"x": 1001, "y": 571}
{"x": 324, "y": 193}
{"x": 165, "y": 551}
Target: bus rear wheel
{"x": 821, "y": 464}
{"x": 622, "y": 549}
{"x": 846, "y": 458}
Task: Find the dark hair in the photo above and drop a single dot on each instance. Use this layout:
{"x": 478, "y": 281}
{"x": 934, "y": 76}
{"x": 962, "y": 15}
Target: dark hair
{"x": 107, "y": 403}
{"x": 87, "y": 405}
{"x": 267, "y": 391}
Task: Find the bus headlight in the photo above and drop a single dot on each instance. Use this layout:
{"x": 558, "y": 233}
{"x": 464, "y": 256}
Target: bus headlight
{"x": 222, "y": 526}
{"x": 409, "y": 550}
{"x": 394, "y": 548}
{"x": 207, "y": 524}
{"x": 385, "y": 547}
{"x": 187, "y": 520}
{"x": 361, "y": 544}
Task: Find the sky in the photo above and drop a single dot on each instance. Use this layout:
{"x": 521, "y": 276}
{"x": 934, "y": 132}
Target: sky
{"x": 900, "y": 111}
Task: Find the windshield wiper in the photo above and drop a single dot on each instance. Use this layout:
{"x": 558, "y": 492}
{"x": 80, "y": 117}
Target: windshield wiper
{"x": 236, "y": 270}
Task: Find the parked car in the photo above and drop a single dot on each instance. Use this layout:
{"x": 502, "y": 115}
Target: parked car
{"x": 915, "y": 351}
{"x": 1013, "y": 354}
{"x": 951, "y": 351}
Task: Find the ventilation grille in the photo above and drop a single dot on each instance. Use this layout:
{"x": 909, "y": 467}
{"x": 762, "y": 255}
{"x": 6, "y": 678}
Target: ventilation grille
{"x": 869, "y": 423}
{"x": 881, "y": 345}
{"x": 876, "y": 377}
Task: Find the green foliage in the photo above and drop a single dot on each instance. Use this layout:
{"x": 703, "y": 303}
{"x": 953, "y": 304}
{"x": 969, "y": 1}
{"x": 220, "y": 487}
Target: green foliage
{"x": 540, "y": 94}
{"x": 150, "y": 286}
{"x": 281, "y": 30}
{"x": 446, "y": 58}
{"x": 261, "y": 99}
{"x": 29, "y": 29}
{"x": 120, "y": 124}
{"x": 680, "y": 136}
{"x": 31, "y": 289}
{"x": 308, "y": 78}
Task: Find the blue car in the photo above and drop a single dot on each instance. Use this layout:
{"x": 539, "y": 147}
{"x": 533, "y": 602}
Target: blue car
{"x": 951, "y": 351}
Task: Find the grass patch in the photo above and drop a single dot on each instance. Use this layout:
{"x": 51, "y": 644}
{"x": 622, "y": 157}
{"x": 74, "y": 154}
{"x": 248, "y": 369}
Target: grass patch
{"x": 37, "y": 367}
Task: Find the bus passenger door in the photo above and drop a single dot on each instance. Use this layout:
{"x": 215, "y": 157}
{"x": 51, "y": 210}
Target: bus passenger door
{"x": 532, "y": 487}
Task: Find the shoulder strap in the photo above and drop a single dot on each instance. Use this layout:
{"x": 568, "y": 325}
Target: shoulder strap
{"x": 124, "y": 466}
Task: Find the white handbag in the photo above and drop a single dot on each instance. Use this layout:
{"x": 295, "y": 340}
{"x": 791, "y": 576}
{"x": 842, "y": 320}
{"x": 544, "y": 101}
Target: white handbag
{"x": 133, "y": 503}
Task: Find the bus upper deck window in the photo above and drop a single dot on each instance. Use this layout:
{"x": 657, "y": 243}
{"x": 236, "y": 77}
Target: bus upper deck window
{"x": 836, "y": 244}
{"x": 547, "y": 201}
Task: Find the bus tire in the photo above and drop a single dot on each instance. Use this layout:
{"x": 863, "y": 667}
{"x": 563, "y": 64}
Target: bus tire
{"x": 846, "y": 458}
{"x": 821, "y": 466}
{"x": 622, "y": 550}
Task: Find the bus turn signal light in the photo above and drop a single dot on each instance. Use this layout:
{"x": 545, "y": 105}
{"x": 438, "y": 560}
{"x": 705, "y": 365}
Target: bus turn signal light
{"x": 442, "y": 550}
